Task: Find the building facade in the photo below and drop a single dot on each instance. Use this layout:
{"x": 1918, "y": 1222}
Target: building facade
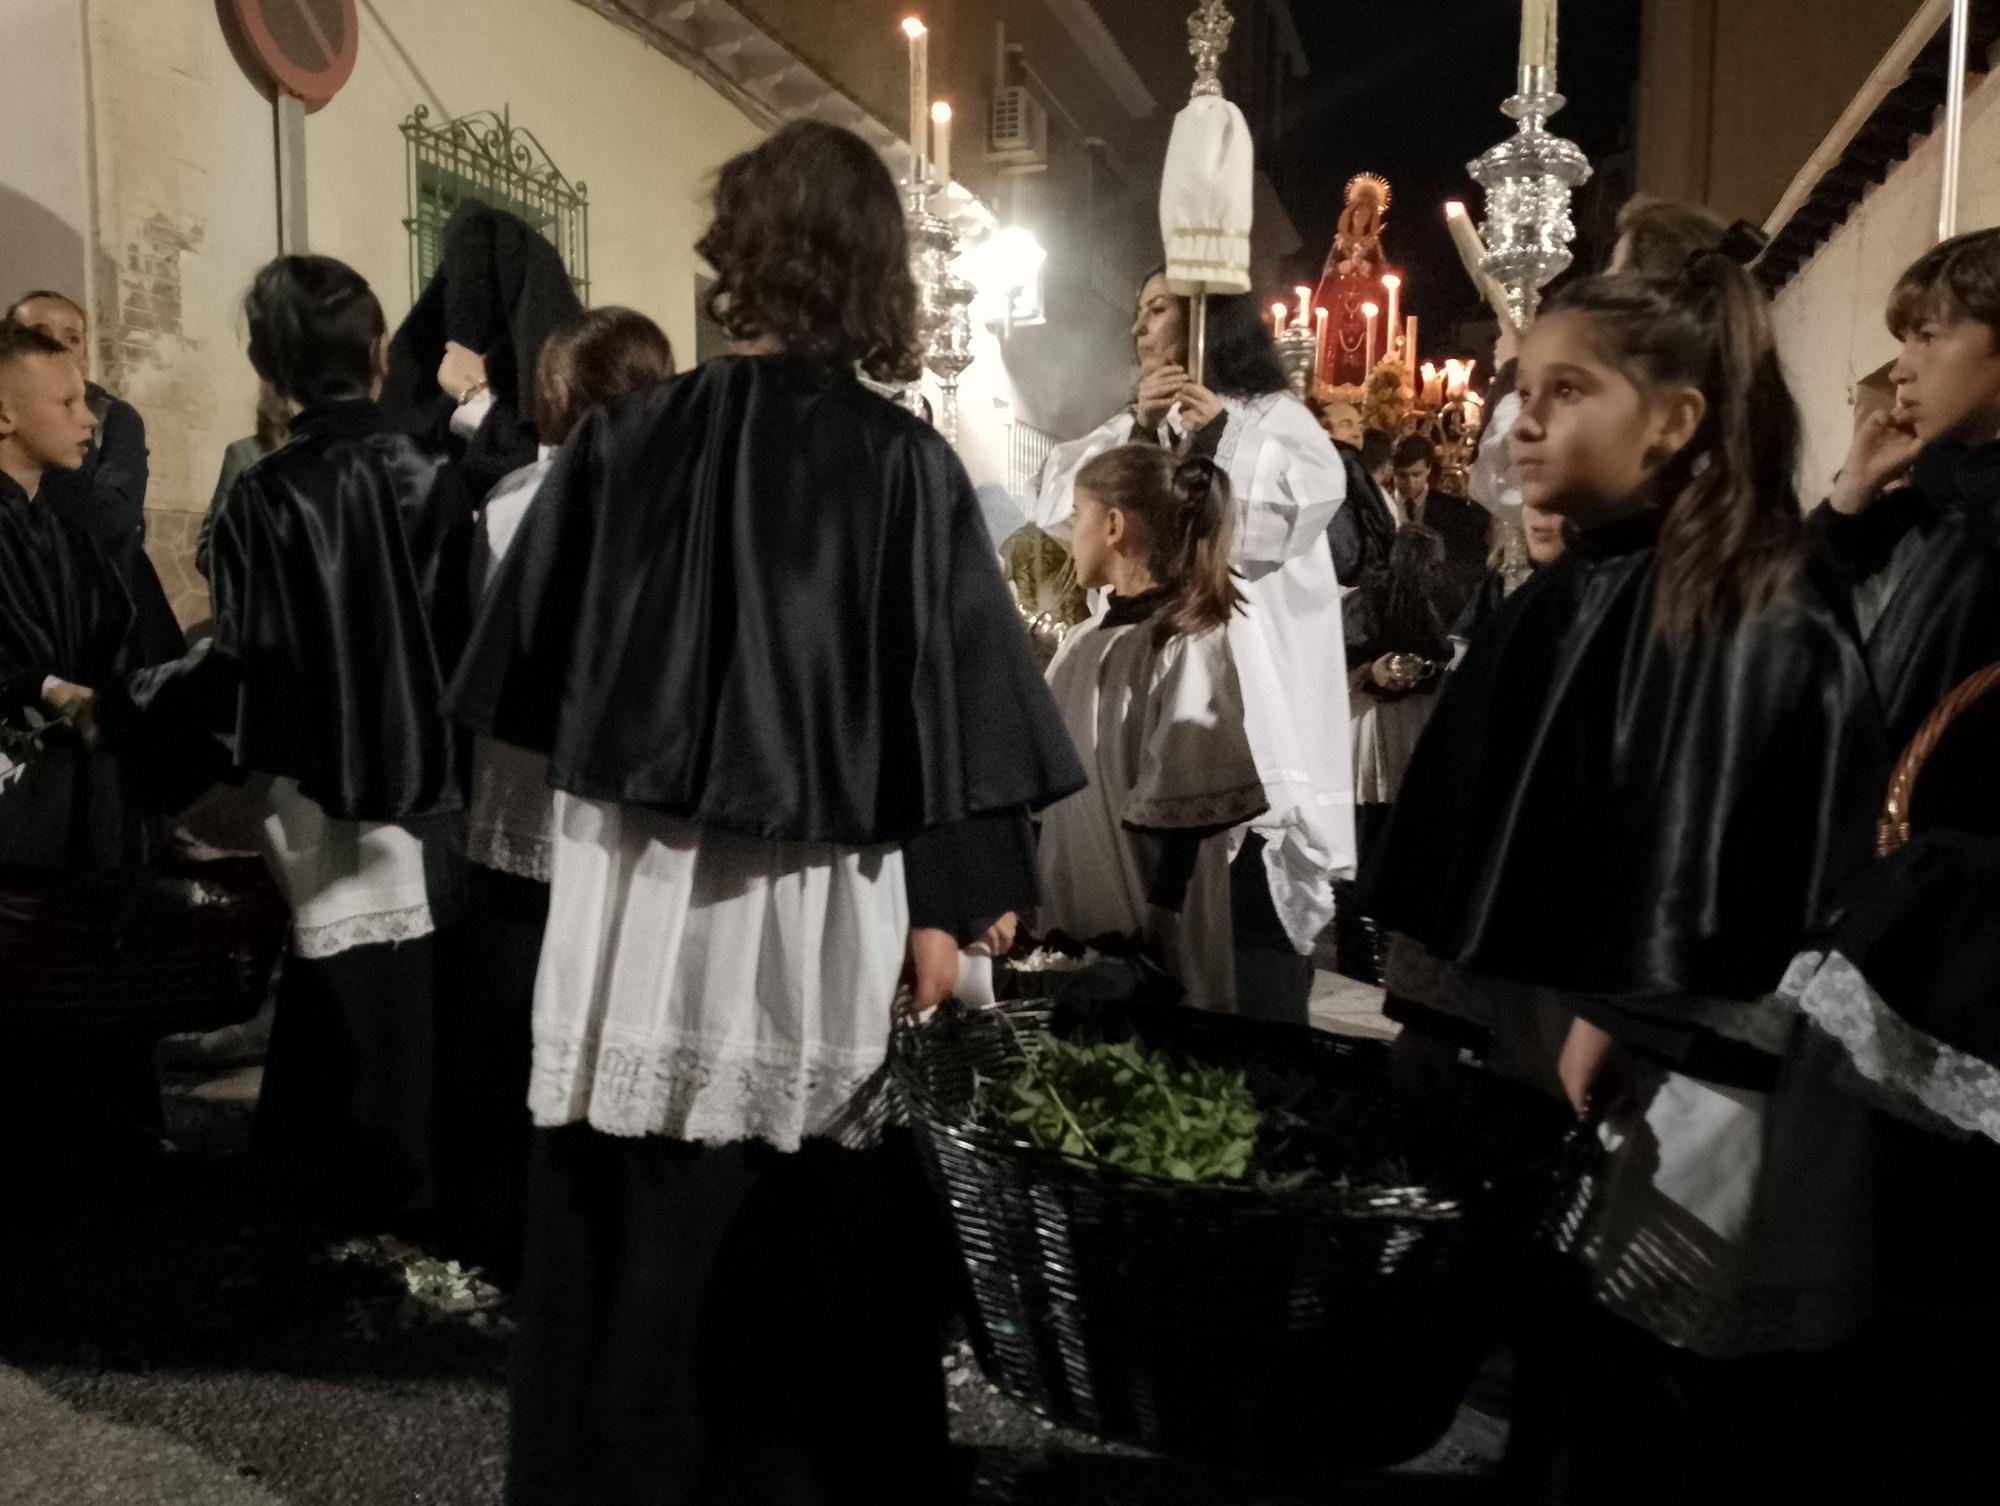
{"x": 144, "y": 176}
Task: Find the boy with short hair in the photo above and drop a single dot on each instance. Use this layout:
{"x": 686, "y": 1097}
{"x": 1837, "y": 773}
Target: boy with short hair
{"x": 1913, "y": 523}
{"x": 49, "y": 633}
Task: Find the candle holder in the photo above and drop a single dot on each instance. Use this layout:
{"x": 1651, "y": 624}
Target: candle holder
{"x": 1298, "y": 351}
{"x": 1528, "y": 180}
{"x": 944, "y": 306}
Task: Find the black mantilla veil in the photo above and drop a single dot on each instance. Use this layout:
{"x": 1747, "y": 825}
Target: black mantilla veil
{"x": 761, "y": 598}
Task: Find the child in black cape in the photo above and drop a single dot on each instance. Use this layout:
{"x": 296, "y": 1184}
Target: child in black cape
{"x": 1642, "y": 786}
{"x": 795, "y": 727}
{"x": 339, "y": 570}
{"x": 1908, "y": 982}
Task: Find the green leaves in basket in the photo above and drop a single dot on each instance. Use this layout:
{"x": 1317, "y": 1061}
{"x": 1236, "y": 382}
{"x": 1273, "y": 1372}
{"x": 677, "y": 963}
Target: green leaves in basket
{"x": 1127, "y": 1107}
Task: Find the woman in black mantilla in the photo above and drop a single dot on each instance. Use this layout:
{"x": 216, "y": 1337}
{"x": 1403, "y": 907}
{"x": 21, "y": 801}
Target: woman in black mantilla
{"x": 795, "y": 728}
{"x": 339, "y": 570}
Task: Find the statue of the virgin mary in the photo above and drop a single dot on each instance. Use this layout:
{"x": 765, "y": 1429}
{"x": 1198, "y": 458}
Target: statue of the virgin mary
{"x": 1353, "y": 277}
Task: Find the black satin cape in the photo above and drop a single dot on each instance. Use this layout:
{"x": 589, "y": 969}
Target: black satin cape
{"x": 500, "y": 289}
{"x": 64, "y": 610}
{"x": 1595, "y": 811}
{"x": 761, "y": 598}
{"x": 1942, "y": 617}
{"x": 339, "y": 570}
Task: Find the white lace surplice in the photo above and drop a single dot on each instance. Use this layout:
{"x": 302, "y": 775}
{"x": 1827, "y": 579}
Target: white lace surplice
{"x": 1161, "y": 733}
{"x": 709, "y": 986}
{"x": 1290, "y": 656}
{"x": 360, "y": 883}
{"x": 509, "y": 824}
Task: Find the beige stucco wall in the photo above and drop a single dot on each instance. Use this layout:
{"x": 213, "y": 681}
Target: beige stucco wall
{"x": 1829, "y": 317}
{"x": 184, "y": 203}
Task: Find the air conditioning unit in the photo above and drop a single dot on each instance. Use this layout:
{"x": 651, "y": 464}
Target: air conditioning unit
{"x": 1018, "y": 129}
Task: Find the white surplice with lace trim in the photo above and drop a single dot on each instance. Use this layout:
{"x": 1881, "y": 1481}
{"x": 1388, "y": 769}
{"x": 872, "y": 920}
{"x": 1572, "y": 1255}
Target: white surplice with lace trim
{"x": 1290, "y": 654}
{"x": 709, "y": 986}
{"x": 1160, "y": 730}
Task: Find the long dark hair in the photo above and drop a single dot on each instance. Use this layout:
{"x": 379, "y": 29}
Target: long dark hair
{"x": 1242, "y": 358}
{"x": 1185, "y": 519}
{"x": 314, "y": 323}
{"x": 808, "y": 246}
{"x": 1729, "y": 543}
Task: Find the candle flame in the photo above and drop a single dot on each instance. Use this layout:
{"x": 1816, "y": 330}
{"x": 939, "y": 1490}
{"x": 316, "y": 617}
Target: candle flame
{"x": 1370, "y": 310}
{"x": 913, "y": 28}
{"x": 1453, "y": 210}
{"x": 1278, "y": 310}
{"x": 941, "y": 113}
{"x": 1391, "y": 281}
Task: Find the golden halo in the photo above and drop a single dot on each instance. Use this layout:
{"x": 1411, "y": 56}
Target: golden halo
{"x": 1381, "y": 186}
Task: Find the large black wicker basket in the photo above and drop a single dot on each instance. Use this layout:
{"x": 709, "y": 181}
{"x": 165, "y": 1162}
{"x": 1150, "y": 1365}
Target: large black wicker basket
{"x": 176, "y": 946}
{"x": 1285, "y": 1329}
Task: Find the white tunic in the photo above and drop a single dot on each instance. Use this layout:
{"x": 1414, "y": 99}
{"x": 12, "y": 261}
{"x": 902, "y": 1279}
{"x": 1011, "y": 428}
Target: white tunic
{"x": 509, "y": 825}
{"x": 709, "y": 986}
{"x": 1290, "y": 656}
{"x": 1161, "y": 734}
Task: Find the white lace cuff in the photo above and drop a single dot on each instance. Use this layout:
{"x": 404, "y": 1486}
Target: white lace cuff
{"x": 336, "y": 936}
{"x": 1215, "y": 810}
{"x": 504, "y": 851}
{"x": 1909, "y": 1071}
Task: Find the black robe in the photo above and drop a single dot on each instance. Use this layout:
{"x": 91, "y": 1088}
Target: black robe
{"x": 500, "y": 289}
{"x": 761, "y": 598}
{"x": 1364, "y": 528}
{"x": 1594, "y": 811}
{"x": 64, "y": 609}
{"x": 340, "y": 576}
{"x": 1923, "y": 568}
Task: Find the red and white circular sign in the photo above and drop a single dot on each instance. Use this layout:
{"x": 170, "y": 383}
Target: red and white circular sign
{"x": 304, "y": 48}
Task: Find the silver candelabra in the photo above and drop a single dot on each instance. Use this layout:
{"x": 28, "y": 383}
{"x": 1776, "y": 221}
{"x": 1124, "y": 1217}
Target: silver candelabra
{"x": 944, "y": 302}
{"x": 1528, "y": 179}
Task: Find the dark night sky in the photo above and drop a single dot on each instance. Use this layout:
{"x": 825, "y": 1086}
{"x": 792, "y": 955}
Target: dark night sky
{"x": 1412, "y": 91}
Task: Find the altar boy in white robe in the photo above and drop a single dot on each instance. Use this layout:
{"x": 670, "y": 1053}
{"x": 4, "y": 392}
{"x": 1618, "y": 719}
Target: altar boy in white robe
{"x": 1149, "y": 694}
{"x": 1288, "y": 482}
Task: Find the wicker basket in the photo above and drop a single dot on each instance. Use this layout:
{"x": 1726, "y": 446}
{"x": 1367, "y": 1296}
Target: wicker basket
{"x": 177, "y": 946}
{"x": 1283, "y": 1330}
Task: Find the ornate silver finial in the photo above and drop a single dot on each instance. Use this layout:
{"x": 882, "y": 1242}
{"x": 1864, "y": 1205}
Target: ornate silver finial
{"x": 1528, "y": 180}
{"x": 1208, "y": 39}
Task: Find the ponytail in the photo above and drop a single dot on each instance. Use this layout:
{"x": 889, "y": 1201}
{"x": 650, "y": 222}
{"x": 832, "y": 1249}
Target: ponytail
{"x": 1203, "y": 586}
{"x": 1728, "y": 546}
{"x": 1186, "y": 520}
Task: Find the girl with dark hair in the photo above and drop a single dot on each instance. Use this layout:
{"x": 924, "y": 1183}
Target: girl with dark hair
{"x": 1288, "y": 482}
{"x": 338, "y": 566}
{"x": 794, "y": 730}
{"x": 1645, "y": 783}
{"x": 1150, "y": 695}
{"x": 595, "y": 359}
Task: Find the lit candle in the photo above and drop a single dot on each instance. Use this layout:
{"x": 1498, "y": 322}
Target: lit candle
{"x": 1432, "y": 388}
{"x": 1305, "y": 306}
{"x": 920, "y": 93}
{"x": 1394, "y": 327}
{"x": 1410, "y": 348}
{"x": 1368, "y": 348}
{"x": 1319, "y": 340}
{"x": 1277, "y": 319}
{"x": 941, "y": 142}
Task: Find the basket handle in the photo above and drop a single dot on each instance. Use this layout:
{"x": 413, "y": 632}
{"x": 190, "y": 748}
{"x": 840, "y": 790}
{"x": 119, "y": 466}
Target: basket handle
{"x": 1892, "y": 831}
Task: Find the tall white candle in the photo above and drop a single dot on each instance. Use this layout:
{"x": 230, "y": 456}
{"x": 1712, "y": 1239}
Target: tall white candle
{"x": 1319, "y": 342}
{"x": 1538, "y": 33}
{"x": 1304, "y": 319}
{"x": 1277, "y": 320}
{"x": 1390, "y": 330}
{"x": 1410, "y": 348}
{"x": 941, "y": 142}
{"x": 1368, "y": 348}
{"x": 920, "y": 93}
